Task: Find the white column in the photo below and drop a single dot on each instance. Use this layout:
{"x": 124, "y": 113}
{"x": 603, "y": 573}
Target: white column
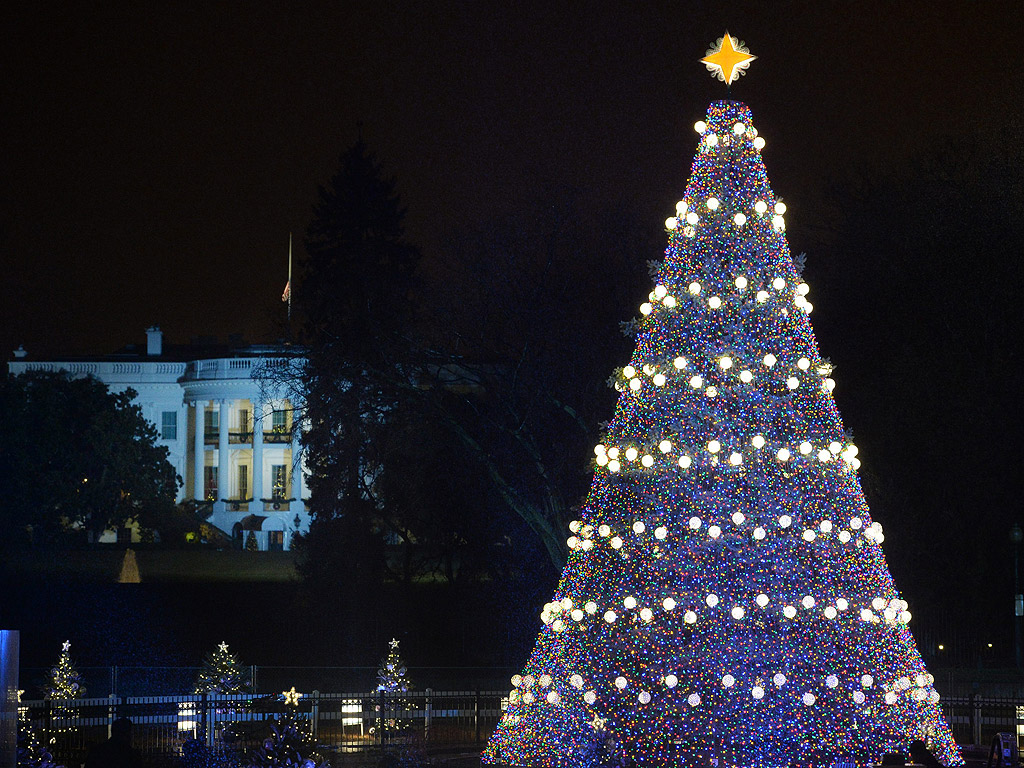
{"x": 198, "y": 460}
{"x": 257, "y": 456}
{"x": 223, "y": 471}
{"x": 296, "y": 457}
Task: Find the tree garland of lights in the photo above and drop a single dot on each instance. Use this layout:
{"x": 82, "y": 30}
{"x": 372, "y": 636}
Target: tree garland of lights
{"x": 63, "y": 684}
{"x": 392, "y": 680}
{"x": 222, "y": 672}
{"x": 726, "y": 595}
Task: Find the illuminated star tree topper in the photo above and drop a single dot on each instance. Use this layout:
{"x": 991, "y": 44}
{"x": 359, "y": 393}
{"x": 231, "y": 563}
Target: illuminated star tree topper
{"x": 728, "y": 58}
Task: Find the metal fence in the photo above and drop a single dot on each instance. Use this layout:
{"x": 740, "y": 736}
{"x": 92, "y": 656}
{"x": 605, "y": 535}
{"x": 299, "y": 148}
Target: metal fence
{"x": 348, "y": 728}
{"x": 352, "y": 728}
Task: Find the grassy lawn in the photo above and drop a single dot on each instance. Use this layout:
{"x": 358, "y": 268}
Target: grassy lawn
{"x": 160, "y": 566}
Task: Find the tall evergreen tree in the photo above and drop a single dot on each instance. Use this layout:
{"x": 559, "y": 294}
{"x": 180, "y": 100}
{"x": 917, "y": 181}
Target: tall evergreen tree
{"x": 63, "y": 683}
{"x": 354, "y": 298}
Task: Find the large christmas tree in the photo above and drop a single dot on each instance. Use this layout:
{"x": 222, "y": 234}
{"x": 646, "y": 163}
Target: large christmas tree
{"x": 222, "y": 672}
{"x": 726, "y": 596}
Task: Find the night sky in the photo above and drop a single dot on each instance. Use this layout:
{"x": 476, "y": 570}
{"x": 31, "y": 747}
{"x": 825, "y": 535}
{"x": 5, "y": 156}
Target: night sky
{"x": 155, "y": 158}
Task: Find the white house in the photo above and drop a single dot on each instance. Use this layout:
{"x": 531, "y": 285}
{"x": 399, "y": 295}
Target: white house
{"x": 232, "y": 429}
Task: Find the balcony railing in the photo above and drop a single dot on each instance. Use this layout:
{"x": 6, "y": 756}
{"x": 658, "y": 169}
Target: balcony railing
{"x": 240, "y": 437}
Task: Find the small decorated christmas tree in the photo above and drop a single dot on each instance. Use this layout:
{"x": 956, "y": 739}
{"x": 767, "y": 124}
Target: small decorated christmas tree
{"x": 222, "y": 672}
{"x": 291, "y": 741}
{"x": 392, "y": 680}
{"x": 63, "y": 683}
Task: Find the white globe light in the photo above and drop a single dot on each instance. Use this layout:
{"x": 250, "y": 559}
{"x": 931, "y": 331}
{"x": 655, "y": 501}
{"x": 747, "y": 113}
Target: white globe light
{"x": 738, "y": 612}
{"x": 590, "y": 607}
{"x": 671, "y": 222}
{"x": 646, "y": 308}
{"x": 728, "y": 681}
{"x": 577, "y": 614}
{"x": 604, "y": 530}
{"x": 769, "y": 360}
{"x": 762, "y": 297}
{"x": 661, "y": 532}
{"x": 711, "y": 600}
{"x": 684, "y": 461}
{"x": 659, "y": 379}
{"x": 576, "y": 681}
{"x": 803, "y": 363}
{"x": 620, "y": 683}
{"x": 757, "y": 692}
{"x": 792, "y": 382}
{"x": 552, "y": 697}
{"x": 783, "y": 454}
{"x": 890, "y": 697}
{"x": 694, "y": 288}
{"x": 681, "y": 207}
{"x": 694, "y": 523}
{"x": 713, "y": 203}
{"x": 629, "y": 603}
{"x": 679, "y": 363}
{"x": 635, "y": 384}
{"x": 759, "y": 533}
{"x": 757, "y": 441}
{"x": 825, "y": 526}
{"x": 714, "y": 446}
{"x": 803, "y": 289}
{"x": 762, "y": 600}
{"x": 616, "y": 542}
{"x": 842, "y": 604}
{"x": 711, "y": 140}
{"x": 809, "y": 699}
{"x": 739, "y": 219}
{"x": 668, "y": 604}
{"x": 665, "y": 446}
{"x": 696, "y": 382}
{"x": 647, "y": 460}
{"x": 780, "y": 208}
{"x": 671, "y": 681}
{"x": 690, "y": 617}
{"x": 760, "y": 206}
{"x": 824, "y": 456}
{"x": 693, "y": 699}
{"x": 809, "y": 535}
{"x": 711, "y": 391}
{"x": 736, "y": 459}
{"x": 779, "y": 680}
{"x": 830, "y": 612}
{"x": 646, "y": 614}
{"x": 805, "y": 447}
{"x": 644, "y": 697}
{"x": 778, "y": 223}
{"x": 714, "y": 302}
{"x": 859, "y": 697}
{"x": 528, "y": 698}
{"x": 835, "y": 447}
{"x": 725, "y": 362}
{"x": 631, "y": 454}
{"x": 700, "y": 126}
{"x": 610, "y": 616}
{"x": 590, "y": 697}
{"x": 741, "y": 282}
{"x": 789, "y": 612}
{"x": 746, "y": 377}
{"x": 545, "y": 681}
{"x": 878, "y": 603}
{"x": 778, "y": 283}
{"x": 807, "y": 602}
{"x": 785, "y": 521}
{"x": 738, "y": 518}
{"x": 844, "y": 537}
{"x": 739, "y": 128}
{"x": 714, "y": 531}
{"x": 856, "y": 523}
{"x": 639, "y": 527}
{"x": 517, "y": 680}
{"x": 759, "y": 143}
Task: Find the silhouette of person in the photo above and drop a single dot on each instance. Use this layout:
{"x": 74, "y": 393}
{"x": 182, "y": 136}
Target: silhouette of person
{"x": 117, "y": 751}
{"x": 919, "y": 754}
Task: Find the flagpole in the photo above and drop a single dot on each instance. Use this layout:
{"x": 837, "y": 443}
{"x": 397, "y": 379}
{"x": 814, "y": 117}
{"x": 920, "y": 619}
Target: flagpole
{"x": 289, "y": 277}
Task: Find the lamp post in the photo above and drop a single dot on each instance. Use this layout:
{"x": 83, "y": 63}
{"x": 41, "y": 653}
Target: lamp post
{"x": 1016, "y": 535}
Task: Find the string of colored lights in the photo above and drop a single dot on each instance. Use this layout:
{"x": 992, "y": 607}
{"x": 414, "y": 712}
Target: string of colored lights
{"x": 726, "y": 595}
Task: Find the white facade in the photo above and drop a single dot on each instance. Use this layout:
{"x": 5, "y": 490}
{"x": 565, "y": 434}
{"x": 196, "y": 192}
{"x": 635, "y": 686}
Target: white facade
{"x": 233, "y": 434}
